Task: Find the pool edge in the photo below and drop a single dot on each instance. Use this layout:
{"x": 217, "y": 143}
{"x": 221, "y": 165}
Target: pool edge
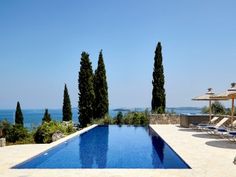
{"x": 189, "y": 167}
{"x": 53, "y": 144}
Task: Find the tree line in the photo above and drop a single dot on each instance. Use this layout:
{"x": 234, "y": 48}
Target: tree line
{"x": 43, "y": 134}
{"x": 93, "y": 100}
{"x": 66, "y": 111}
{"x": 93, "y": 90}
{"x": 93, "y": 104}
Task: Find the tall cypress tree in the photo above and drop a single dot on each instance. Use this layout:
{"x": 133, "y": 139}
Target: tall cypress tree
{"x": 19, "y": 119}
{"x": 86, "y": 90}
{"x": 66, "y": 109}
{"x": 158, "y": 92}
{"x": 46, "y": 117}
{"x": 101, "y": 103}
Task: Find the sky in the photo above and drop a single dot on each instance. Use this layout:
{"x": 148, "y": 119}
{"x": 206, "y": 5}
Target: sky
{"x": 41, "y": 43}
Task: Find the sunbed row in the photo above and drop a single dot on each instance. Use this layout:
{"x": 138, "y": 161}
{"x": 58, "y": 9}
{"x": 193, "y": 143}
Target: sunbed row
{"x": 218, "y": 127}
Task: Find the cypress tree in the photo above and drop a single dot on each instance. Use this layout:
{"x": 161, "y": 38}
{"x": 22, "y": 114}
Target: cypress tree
{"x": 158, "y": 92}
{"x": 46, "y": 117}
{"x": 19, "y": 119}
{"x": 101, "y": 103}
{"x": 86, "y": 90}
{"x": 67, "y": 114}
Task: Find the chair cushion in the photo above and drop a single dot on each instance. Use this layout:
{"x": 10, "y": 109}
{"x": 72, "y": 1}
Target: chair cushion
{"x": 203, "y": 125}
{"x": 211, "y": 127}
{"x": 232, "y": 133}
{"x": 221, "y": 130}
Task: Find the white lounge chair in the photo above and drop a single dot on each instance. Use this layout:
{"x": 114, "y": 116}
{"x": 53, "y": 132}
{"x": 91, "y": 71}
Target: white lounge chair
{"x": 231, "y": 135}
{"x": 227, "y": 132}
{"x": 212, "y": 128}
{"x": 202, "y": 125}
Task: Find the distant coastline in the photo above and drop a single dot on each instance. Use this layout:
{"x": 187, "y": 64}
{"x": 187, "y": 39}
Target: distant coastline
{"x": 33, "y": 117}
{"x": 121, "y": 109}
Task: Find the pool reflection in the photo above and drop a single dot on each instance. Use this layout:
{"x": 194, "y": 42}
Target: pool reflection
{"x": 93, "y": 148}
{"x": 158, "y": 146}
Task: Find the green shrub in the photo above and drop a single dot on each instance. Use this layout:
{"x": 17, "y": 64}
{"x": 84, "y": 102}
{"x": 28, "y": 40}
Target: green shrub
{"x": 131, "y": 118}
{"x": 5, "y": 127}
{"x": 205, "y": 110}
{"x": 118, "y": 120}
{"x": 144, "y": 120}
{"x": 136, "y": 119}
{"x": 70, "y": 129}
{"x": 107, "y": 120}
{"x": 127, "y": 120}
{"x": 104, "y": 121}
{"x": 228, "y": 111}
{"x": 44, "y": 132}
{"x": 216, "y": 107}
{"x": 16, "y": 133}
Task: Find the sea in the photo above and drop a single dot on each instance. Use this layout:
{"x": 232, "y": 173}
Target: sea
{"x": 33, "y": 117}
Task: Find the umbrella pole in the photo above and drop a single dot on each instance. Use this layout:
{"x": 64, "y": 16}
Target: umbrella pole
{"x": 209, "y": 110}
{"x": 232, "y": 113}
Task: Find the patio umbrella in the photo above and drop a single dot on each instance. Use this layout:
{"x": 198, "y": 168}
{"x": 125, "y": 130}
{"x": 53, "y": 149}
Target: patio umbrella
{"x": 206, "y": 97}
{"x": 228, "y": 94}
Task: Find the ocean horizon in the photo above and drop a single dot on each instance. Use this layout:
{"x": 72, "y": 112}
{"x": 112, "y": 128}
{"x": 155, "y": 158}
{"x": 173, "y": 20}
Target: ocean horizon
{"x": 33, "y": 117}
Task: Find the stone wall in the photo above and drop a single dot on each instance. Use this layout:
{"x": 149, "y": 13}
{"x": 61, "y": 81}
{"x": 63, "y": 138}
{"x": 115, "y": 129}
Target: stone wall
{"x": 164, "y": 119}
{"x": 187, "y": 120}
{"x": 1, "y": 133}
{"x": 2, "y": 142}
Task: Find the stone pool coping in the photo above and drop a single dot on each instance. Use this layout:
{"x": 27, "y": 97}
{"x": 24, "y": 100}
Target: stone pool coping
{"x": 206, "y": 155}
{"x": 34, "y": 149}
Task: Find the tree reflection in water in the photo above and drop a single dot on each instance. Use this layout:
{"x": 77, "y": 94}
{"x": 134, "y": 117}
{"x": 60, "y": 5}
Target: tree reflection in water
{"x": 157, "y": 149}
{"x": 93, "y": 148}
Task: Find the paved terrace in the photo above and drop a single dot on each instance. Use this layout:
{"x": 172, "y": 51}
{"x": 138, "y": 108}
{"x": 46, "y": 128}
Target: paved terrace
{"x": 207, "y": 155}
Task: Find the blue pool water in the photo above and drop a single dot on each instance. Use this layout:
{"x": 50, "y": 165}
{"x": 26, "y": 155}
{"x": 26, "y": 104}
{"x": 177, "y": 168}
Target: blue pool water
{"x": 109, "y": 147}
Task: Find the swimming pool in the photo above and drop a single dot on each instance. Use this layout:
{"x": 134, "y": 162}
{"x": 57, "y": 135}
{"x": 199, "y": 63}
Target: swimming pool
{"x": 109, "y": 147}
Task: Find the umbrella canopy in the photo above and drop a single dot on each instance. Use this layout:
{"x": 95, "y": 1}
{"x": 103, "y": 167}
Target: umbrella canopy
{"x": 229, "y": 94}
{"x": 208, "y": 96}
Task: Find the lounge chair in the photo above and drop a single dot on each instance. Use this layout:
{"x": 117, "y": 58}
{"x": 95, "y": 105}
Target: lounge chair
{"x": 202, "y": 125}
{"x": 231, "y": 135}
{"x": 223, "y": 129}
{"x": 227, "y": 132}
{"x": 211, "y": 129}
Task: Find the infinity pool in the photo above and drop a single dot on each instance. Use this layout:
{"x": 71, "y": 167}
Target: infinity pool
{"x": 109, "y": 147}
